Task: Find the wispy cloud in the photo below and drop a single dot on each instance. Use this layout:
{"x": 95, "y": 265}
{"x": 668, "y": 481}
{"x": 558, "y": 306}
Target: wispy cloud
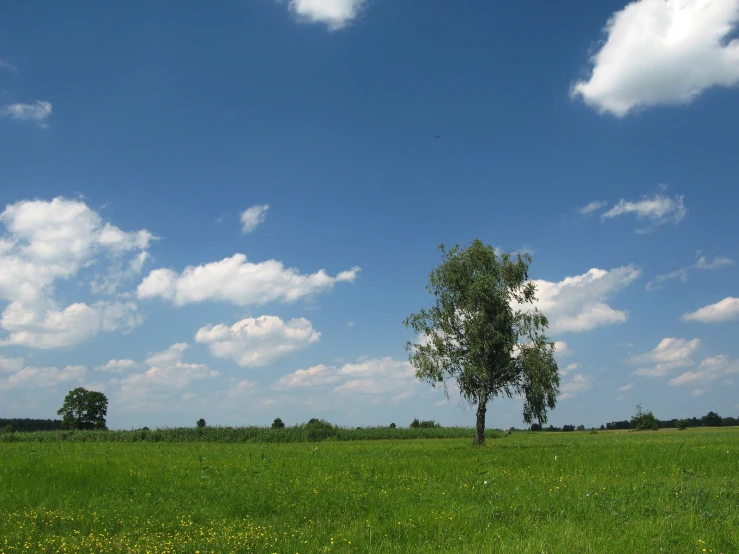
{"x": 592, "y": 207}
{"x": 252, "y": 217}
{"x": 657, "y": 210}
{"x": 38, "y": 112}
{"x": 682, "y": 274}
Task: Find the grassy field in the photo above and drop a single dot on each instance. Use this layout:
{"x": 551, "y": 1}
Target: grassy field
{"x": 665, "y": 491}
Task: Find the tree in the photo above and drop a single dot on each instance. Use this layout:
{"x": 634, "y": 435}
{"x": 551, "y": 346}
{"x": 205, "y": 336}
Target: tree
{"x": 200, "y": 423}
{"x": 278, "y": 424}
{"x": 415, "y": 424}
{"x": 711, "y": 419}
{"x": 644, "y": 421}
{"x": 84, "y": 409}
{"x": 473, "y": 335}
{"x": 682, "y": 424}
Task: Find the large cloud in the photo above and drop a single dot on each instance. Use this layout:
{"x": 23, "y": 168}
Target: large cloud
{"x": 336, "y": 14}
{"x": 578, "y": 303}
{"x": 49, "y": 241}
{"x": 724, "y": 310}
{"x": 669, "y": 354}
{"x": 237, "y": 281}
{"x": 255, "y": 342}
{"x": 663, "y": 52}
{"x": 709, "y": 370}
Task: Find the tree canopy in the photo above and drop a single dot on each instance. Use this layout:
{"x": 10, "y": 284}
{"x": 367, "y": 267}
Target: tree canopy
{"x": 84, "y": 409}
{"x": 474, "y": 336}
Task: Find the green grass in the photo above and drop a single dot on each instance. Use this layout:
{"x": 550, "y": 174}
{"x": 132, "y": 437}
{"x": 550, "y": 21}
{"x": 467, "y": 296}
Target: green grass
{"x": 665, "y": 491}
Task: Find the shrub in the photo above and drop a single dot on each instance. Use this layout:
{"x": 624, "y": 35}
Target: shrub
{"x": 278, "y": 424}
{"x": 317, "y": 430}
{"x": 644, "y": 421}
{"x": 682, "y": 424}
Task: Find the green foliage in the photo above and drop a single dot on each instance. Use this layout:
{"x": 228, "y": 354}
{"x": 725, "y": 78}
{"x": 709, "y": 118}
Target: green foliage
{"x": 26, "y": 424}
{"x": 415, "y": 424}
{"x": 473, "y": 336}
{"x": 644, "y": 421}
{"x": 392, "y": 426}
{"x": 682, "y": 424}
{"x": 711, "y": 419}
{"x": 278, "y": 424}
{"x": 84, "y": 409}
{"x": 580, "y": 427}
{"x": 6, "y": 429}
{"x": 200, "y": 423}
{"x": 568, "y": 428}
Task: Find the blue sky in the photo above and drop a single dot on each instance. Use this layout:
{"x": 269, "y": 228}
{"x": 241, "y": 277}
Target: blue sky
{"x": 227, "y": 211}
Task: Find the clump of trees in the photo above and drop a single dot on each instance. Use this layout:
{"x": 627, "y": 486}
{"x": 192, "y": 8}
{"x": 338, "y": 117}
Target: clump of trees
{"x": 429, "y": 424}
{"x": 474, "y": 336}
{"x": 644, "y": 421}
{"x": 200, "y": 424}
{"x": 27, "y": 425}
{"x": 84, "y": 409}
{"x": 278, "y": 424}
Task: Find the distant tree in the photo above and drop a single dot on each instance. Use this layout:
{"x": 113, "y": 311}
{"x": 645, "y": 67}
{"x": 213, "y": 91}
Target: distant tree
{"x": 473, "y": 334}
{"x": 84, "y": 409}
{"x": 580, "y": 427}
{"x": 729, "y": 421}
{"x": 644, "y": 421}
{"x": 278, "y": 424}
{"x": 711, "y": 419}
{"x": 392, "y": 426}
{"x": 682, "y": 424}
{"x": 568, "y": 428}
{"x": 6, "y": 429}
{"x": 200, "y": 423}
{"x": 415, "y": 424}
{"x": 536, "y": 426}
{"x": 429, "y": 424}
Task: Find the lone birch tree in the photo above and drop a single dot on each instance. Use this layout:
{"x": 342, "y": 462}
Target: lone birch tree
{"x": 485, "y": 333}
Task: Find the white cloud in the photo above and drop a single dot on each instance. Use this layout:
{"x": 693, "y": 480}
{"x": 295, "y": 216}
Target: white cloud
{"x": 577, "y": 304}
{"x": 701, "y": 263}
{"x": 48, "y": 241}
{"x": 592, "y": 207}
{"x": 724, "y": 310}
{"x": 38, "y": 112}
{"x": 699, "y": 391}
{"x": 568, "y": 369}
{"x": 658, "y": 210}
{"x": 237, "y": 281}
{"x": 578, "y": 384}
{"x": 662, "y": 52}
{"x": 252, "y": 217}
{"x": 256, "y": 342}
{"x": 45, "y": 377}
{"x": 561, "y": 348}
{"x": 336, "y": 14}
{"x": 385, "y": 378}
{"x": 5, "y": 64}
{"x": 10, "y": 364}
{"x": 709, "y": 370}
{"x": 626, "y": 388}
{"x": 670, "y": 354}
{"x": 166, "y": 371}
{"x": 117, "y": 366}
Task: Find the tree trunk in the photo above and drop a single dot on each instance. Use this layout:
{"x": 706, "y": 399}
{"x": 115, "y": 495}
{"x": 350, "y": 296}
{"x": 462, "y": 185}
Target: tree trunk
{"x": 482, "y": 407}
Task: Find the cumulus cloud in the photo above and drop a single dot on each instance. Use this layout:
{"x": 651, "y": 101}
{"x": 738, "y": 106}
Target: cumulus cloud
{"x": 670, "y": 354}
{"x": 10, "y": 364}
{"x": 44, "y": 377}
{"x": 336, "y": 14}
{"x": 724, "y": 310}
{"x": 578, "y": 384}
{"x": 561, "y": 348}
{"x": 252, "y": 217}
{"x": 50, "y": 241}
{"x": 578, "y": 303}
{"x": 709, "y": 370}
{"x": 656, "y": 210}
{"x": 238, "y": 281}
{"x": 381, "y": 377}
{"x": 37, "y": 113}
{"x": 662, "y": 52}
{"x": 256, "y": 342}
{"x": 117, "y": 366}
{"x": 592, "y": 207}
{"x": 701, "y": 263}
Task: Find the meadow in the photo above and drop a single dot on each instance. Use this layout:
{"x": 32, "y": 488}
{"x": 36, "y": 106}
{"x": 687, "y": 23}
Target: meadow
{"x": 666, "y": 491}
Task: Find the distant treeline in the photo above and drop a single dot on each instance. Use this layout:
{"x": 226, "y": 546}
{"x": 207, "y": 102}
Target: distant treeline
{"x": 27, "y": 425}
{"x": 711, "y": 419}
{"x": 307, "y": 432}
